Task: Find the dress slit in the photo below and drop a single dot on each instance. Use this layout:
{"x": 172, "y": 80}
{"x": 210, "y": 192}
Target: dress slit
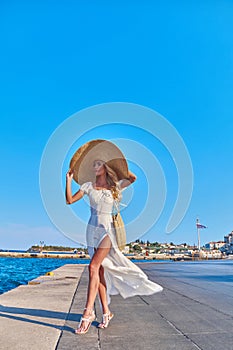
{"x": 104, "y": 236}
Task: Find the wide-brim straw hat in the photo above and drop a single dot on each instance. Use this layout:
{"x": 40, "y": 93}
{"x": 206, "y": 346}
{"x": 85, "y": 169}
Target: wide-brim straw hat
{"x": 81, "y": 163}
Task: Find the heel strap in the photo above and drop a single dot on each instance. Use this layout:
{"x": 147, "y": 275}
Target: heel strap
{"x": 106, "y": 318}
{"x": 87, "y": 308}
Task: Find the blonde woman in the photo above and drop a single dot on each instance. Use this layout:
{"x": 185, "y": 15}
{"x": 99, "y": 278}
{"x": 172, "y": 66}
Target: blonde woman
{"x": 110, "y": 272}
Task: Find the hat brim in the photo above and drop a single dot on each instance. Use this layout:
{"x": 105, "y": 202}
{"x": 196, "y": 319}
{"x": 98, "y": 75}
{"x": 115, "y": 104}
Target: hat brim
{"x": 81, "y": 163}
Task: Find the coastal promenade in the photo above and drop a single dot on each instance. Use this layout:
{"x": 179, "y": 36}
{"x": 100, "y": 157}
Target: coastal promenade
{"x": 32, "y": 316}
{"x": 194, "y": 311}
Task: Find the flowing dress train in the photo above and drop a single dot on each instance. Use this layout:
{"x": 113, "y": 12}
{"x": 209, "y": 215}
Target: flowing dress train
{"x": 122, "y": 276}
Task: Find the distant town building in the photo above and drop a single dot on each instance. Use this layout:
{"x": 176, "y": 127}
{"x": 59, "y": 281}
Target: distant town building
{"x": 126, "y": 250}
{"x": 228, "y": 240}
{"x": 215, "y": 245}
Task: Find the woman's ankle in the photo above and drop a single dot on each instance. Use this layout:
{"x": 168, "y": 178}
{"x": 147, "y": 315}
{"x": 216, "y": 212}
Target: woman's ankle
{"x": 88, "y": 310}
{"x": 106, "y": 311}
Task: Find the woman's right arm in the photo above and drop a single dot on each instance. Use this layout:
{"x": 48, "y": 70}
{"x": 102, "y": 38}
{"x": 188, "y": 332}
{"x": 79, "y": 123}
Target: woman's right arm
{"x": 69, "y": 197}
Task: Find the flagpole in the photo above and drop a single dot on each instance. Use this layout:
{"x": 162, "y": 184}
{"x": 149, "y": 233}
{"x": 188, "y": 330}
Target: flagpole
{"x": 198, "y": 236}
{"x": 199, "y": 226}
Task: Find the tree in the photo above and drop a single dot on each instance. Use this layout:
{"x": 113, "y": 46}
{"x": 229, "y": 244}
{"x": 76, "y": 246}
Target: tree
{"x": 137, "y": 248}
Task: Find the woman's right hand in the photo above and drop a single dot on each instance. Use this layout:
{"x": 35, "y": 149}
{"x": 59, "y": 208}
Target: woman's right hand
{"x": 69, "y": 175}
{"x": 70, "y": 198}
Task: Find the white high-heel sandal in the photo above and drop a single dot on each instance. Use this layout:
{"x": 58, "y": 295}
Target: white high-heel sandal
{"x": 105, "y": 320}
{"x": 89, "y": 319}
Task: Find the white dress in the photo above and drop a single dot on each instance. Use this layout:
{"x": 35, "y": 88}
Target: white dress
{"x": 122, "y": 276}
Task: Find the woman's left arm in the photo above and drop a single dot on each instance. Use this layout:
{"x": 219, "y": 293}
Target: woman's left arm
{"x": 126, "y": 182}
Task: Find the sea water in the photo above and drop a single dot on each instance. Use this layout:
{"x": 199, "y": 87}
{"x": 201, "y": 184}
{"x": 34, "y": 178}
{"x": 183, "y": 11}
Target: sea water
{"x": 17, "y": 271}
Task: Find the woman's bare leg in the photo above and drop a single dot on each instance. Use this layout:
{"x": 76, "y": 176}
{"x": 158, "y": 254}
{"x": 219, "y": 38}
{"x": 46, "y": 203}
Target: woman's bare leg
{"x": 107, "y": 314}
{"x": 103, "y": 291}
{"x": 94, "y": 279}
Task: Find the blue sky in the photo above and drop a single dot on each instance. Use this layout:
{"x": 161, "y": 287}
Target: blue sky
{"x": 58, "y": 57}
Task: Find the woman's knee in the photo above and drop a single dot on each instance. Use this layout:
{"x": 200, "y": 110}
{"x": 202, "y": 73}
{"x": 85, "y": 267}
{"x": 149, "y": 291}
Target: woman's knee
{"x": 94, "y": 267}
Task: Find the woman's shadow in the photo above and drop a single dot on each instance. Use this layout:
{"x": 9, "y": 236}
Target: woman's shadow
{"x": 13, "y": 312}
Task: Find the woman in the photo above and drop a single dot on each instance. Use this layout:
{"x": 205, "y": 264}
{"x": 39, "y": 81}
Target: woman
{"x": 110, "y": 272}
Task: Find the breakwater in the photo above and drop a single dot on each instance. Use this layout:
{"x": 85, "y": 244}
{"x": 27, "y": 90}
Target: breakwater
{"x": 52, "y": 255}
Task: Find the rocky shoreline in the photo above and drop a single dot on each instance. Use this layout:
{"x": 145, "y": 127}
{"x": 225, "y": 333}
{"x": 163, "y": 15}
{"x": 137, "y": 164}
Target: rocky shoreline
{"x": 44, "y": 255}
{"x": 65, "y": 255}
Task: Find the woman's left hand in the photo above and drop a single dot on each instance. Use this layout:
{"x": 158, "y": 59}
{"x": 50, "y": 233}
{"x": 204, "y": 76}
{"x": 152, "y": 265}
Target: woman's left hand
{"x": 132, "y": 177}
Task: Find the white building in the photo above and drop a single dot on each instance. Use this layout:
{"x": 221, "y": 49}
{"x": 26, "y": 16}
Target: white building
{"x": 228, "y": 240}
{"x": 215, "y": 245}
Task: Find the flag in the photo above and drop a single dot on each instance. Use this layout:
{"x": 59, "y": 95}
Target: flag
{"x": 200, "y": 225}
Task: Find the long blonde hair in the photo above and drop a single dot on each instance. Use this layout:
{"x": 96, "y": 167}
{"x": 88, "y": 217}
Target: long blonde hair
{"x": 112, "y": 181}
